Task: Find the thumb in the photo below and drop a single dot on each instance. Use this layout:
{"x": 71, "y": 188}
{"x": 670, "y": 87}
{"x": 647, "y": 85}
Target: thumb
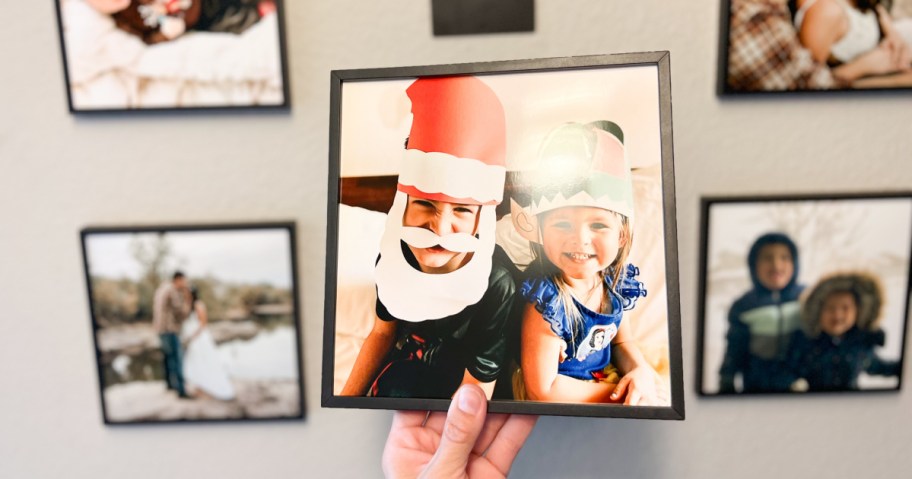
{"x": 621, "y": 388}
{"x": 464, "y": 422}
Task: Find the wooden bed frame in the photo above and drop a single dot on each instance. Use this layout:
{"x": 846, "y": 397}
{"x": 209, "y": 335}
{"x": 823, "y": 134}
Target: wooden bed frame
{"x": 376, "y": 192}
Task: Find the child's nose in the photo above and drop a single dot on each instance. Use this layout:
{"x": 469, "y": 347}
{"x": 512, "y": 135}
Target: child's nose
{"x": 583, "y": 236}
{"x": 442, "y": 224}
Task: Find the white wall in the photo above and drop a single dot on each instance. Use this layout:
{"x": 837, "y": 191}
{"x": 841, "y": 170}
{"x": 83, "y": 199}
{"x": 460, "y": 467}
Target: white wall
{"x": 59, "y": 173}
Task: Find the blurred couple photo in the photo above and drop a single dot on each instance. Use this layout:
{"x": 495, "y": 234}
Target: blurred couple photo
{"x": 195, "y": 323}
{"x": 192, "y": 364}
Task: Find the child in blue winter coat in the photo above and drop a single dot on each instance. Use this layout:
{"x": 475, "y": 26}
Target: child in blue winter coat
{"x": 761, "y": 322}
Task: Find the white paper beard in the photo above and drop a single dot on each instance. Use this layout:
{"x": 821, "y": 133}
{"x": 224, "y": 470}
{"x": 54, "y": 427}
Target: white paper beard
{"x": 424, "y": 238}
{"x": 412, "y": 295}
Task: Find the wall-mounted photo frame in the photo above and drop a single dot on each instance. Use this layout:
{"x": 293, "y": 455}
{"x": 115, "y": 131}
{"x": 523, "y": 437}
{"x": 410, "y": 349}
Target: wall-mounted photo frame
{"x": 470, "y": 17}
{"x": 441, "y": 179}
{"x": 804, "y": 294}
{"x": 782, "y": 46}
{"x": 195, "y": 323}
{"x": 152, "y": 55}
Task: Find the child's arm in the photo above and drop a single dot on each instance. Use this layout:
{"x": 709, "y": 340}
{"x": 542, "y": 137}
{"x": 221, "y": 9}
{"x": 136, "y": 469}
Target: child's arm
{"x": 639, "y": 379}
{"x": 737, "y": 351}
{"x": 541, "y": 353}
{"x": 375, "y": 347}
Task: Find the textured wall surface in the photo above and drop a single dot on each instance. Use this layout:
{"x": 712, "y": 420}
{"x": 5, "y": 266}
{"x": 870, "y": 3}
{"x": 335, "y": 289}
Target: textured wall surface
{"x": 59, "y": 173}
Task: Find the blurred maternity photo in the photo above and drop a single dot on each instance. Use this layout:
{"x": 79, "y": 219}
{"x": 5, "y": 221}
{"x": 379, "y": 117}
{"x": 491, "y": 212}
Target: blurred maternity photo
{"x": 195, "y": 323}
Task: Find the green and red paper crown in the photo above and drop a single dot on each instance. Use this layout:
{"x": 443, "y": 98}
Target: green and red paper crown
{"x": 457, "y": 145}
{"x": 578, "y": 165}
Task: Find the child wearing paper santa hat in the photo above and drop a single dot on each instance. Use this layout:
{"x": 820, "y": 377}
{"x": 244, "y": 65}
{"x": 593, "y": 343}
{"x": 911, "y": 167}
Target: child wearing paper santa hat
{"x": 579, "y": 222}
{"x": 444, "y": 289}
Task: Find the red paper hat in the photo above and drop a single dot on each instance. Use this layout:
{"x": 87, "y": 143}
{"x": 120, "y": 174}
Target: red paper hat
{"x": 457, "y": 146}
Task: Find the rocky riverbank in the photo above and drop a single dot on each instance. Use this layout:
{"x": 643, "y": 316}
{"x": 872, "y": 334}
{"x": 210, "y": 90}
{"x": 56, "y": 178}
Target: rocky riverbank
{"x": 141, "y": 401}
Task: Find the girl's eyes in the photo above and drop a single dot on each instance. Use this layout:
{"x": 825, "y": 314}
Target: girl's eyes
{"x": 423, "y": 203}
{"x": 566, "y": 225}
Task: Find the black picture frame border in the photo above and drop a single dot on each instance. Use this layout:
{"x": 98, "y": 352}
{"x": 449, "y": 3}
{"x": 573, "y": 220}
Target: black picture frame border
{"x": 283, "y": 107}
{"x": 706, "y": 203}
{"x": 660, "y": 60}
{"x": 288, "y": 226}
{"x": 725, "y": 92}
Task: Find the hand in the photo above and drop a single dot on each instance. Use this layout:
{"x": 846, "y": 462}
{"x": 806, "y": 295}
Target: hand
{"x": 640, "y": 386}
{"x": 879, "y": 61}
{"x": 461, "y": 443}
{"x": 900, "y": 52}
{"x": 800, "y": 385}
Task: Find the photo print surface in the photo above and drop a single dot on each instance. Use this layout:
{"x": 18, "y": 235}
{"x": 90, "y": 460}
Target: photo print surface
{"x": 511, "y": 229}
{"x": 173, "y": 54}
{"x": 195, "y": 323}
{"x": 804, "y": 294}
{"x": 815, "y": 45}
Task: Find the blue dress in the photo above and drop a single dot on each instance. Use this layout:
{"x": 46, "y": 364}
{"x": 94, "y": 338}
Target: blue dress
{"x": 589, "y": 342}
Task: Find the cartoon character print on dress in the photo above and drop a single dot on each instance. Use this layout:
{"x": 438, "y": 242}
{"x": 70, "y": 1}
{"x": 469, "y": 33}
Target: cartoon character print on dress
{"x": 581, "y": 360}
{"x": 599, "y": 338}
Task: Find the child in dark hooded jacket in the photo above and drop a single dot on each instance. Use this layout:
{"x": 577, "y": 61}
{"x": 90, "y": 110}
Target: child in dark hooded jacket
{"x": 761, "y": 322}
{"x": 841, "y": 331}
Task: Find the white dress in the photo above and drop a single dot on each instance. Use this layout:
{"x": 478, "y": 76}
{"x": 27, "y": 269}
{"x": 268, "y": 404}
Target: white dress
{"x": 203, "y": 367}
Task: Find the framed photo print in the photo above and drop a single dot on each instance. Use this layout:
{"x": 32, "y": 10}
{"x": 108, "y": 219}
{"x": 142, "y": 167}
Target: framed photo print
{"x": 804, "y": 294}
{"x": 508, "y": 224}
{"x": 195, "y": 323}
{"x": 468, "y": 17}
{"x": 173, "y": 54}
{"x": 815, "y": 45}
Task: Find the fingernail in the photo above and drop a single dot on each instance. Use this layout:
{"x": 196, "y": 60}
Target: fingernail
{"x": 614, "y": 395}
{"x": 469, "y": 402}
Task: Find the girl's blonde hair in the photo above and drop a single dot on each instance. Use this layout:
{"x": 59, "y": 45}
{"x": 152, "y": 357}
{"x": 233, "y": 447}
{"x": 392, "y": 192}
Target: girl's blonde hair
{"x": 617, "y": 267}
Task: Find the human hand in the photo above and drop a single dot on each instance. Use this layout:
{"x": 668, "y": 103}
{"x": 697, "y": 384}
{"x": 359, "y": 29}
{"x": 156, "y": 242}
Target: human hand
{"x": 901, "y": 53}
{"x": 108, "y": 7}
{"x": 462, "y": 443}
{"x": 639, "y": 384}
{"x": 800, "y": 385}
{"x": 881, "y": 60}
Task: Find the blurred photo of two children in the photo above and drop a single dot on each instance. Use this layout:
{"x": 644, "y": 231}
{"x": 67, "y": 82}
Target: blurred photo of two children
{"x": 826, "y": 305}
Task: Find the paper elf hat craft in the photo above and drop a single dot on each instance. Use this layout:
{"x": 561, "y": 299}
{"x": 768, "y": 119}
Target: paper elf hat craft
{"x": 456, "y": 153}
{"x": 456, "y": 149}
{"x": 578, "y": 165}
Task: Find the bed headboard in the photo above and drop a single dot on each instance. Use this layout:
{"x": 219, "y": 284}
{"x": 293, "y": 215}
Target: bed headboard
{"x": 376, "y": 192}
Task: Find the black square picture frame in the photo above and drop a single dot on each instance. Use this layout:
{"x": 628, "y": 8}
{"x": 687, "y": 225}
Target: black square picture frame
{"x": 370, "y": 121}
{"x": 195, "y": 322}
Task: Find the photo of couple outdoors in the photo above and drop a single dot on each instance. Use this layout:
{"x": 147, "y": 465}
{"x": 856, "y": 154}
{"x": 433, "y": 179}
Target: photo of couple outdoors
{"x": 194, "y": 324}
{"x": 515, "y": 242}
{"x": 817, "y": 304}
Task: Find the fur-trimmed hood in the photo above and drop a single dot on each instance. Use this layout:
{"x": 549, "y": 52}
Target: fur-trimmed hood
{"x": 868, "y": 296}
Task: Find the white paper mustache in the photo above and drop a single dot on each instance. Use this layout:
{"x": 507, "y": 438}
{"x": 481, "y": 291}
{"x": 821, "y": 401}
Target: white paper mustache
{"x": 423, "y": 238}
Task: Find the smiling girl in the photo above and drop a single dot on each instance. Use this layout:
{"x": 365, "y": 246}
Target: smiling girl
{"x": 579, "y": 223}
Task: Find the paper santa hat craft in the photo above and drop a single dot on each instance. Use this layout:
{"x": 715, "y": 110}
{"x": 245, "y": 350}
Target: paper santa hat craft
{"x": 577, "y": 165}
{"x": 457, "y": 145}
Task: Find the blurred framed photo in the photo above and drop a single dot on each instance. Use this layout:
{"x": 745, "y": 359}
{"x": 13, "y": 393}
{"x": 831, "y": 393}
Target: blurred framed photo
{"x": 195, "y": 323}
{"x": 468, "y": 17}
{"x": 453, "y": 191}
{"x": 778, "y": 46}
{"x": 804, "y": 294}
{"x": 173, "y": 54}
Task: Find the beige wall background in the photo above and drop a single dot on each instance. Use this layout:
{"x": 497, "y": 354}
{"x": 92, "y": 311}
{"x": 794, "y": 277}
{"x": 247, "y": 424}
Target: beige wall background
{"x": 59, "y": 173}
